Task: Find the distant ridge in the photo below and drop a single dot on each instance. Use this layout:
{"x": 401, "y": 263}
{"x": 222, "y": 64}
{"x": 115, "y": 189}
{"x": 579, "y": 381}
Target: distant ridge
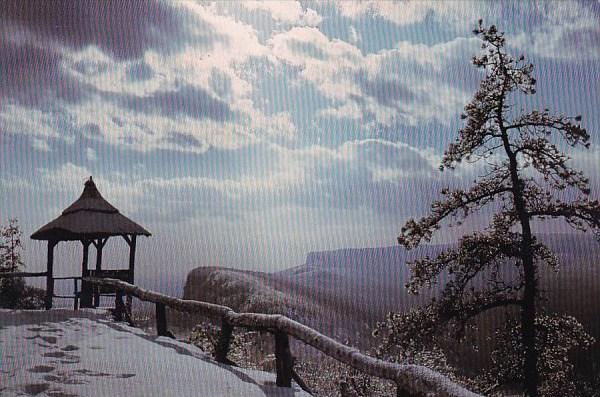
{"x": 345, "y": 292}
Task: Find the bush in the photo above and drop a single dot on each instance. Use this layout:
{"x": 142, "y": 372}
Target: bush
{"x": 14, "y": 294}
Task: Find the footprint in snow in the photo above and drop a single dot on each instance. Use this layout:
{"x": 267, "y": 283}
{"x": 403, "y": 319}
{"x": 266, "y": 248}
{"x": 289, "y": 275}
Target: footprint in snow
{"x": 42, "y": 369}
{"x": 66, "y": 358}
{"x": 91, "y": 373}
{"x": 55, "y": 354}
{"x": 60, "y": 393}
{"x": 64, "y": 379}
{"x": 48, "y": 339}
{"x": 35, "y": 388}
{"x": 72, "y": 360}
{"x": 103, "y": 374}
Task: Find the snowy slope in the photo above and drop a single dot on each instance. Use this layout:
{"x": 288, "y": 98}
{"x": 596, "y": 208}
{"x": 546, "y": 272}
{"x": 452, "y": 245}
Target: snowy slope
{"x": 66, "y": 353}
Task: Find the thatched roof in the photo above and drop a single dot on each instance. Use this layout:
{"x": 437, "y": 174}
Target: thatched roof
{"x": 89, "y": 217}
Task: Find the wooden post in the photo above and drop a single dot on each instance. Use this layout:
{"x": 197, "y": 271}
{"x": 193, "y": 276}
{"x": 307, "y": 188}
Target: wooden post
{"x": 222, "y": 346}
{"x": 121, "y": 312}
{"x": 99, "y": 245}
{"x": 75, "y": 294}
{"x": 119, "y": 306}
{"x": 86, "y": 288}
{"x": 132, "y": 245}
{"x": 50, "y": 274}
{"x": 161, "y": 320}
{"x": 284, "y": 362}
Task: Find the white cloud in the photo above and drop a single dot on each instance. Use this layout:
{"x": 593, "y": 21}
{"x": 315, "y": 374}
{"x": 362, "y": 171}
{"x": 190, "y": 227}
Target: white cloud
{"x": 391, "y": 161}
{"x": 223, "y": 71}
{"x": 16, "y": 119}
{"x": 217, "y": 72}
{"x": 276, "y": 125}
{"x": 64, "y": 177}
{"x": 146, "y": 132}
{"x": 436, "y": 56}
{"x": 354, "y": 36}
{"x": 14, "y": 183}
{"x": 289, "y": 12}
{"x": 40, "y": 144}
{"x": 90, "y": 154}
{"x": 406, "y": 84}
{"x": 129, "y": 188}
{"x": 407, "y": 12}
{"x": 328, "y": 64}
{"x": 348, "y": 110}
{"x": 587, "y": 160}
{"x": 570, "y": 31}
{"x": 291, "y": 175}
{"x": 560, "y": 30}
{"x": 400, "y": 12}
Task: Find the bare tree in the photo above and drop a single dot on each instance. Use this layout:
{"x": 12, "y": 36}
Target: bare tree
{"x": 525, "y": 176}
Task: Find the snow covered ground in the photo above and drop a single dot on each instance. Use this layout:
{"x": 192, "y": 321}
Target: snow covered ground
{"x": 64, "y": 353}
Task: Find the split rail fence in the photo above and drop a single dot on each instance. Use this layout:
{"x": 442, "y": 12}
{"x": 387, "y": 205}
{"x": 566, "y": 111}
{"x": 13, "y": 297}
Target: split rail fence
{"x": 410, "y": 380}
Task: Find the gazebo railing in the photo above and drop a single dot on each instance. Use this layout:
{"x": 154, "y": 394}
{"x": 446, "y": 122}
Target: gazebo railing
{"x": 76, "y": 292}
{"x": 410, "y": 380}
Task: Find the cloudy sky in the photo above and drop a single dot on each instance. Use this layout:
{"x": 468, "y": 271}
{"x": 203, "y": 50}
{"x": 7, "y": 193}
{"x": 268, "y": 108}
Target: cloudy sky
{"x": 246, "y": 134}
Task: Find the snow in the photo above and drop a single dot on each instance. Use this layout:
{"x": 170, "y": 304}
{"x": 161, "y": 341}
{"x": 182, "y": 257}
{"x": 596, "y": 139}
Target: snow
{"x": 65, "y": 353}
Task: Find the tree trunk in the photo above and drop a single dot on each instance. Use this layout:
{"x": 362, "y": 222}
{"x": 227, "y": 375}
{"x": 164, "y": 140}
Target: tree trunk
{"x": 528, "y": 310}
{"x": 528, "y": 313}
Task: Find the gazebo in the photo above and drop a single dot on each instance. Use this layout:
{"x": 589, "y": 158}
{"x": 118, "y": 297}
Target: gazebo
{"x": 90, "y": 220}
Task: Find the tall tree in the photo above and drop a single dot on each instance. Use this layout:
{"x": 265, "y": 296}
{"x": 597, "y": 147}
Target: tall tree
{"x": 525, "y": 177}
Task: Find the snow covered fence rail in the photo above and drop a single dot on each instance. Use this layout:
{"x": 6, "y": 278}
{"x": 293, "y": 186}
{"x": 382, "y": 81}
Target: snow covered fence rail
{"x": 411, "y": 380}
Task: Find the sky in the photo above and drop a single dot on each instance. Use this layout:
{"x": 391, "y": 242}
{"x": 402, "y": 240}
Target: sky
{"x": 247, "y": 134}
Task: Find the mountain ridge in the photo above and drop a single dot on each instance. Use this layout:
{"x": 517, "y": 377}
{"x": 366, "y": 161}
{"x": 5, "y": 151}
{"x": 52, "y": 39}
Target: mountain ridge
{"x": 345, "y": 292}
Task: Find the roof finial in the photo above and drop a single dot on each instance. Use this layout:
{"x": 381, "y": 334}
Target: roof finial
{"x": 89, "y": 183}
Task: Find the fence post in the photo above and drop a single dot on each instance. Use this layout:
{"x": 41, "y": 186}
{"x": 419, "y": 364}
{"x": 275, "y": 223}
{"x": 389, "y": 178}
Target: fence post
{"x": 121, "y": 311}
{"x": 161, "y": 320}
{"x": 75, "y": 295}
{"x": 284, "y": 362}
{"x": 119, "y": 305}
{"x": 222, "y": 346}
